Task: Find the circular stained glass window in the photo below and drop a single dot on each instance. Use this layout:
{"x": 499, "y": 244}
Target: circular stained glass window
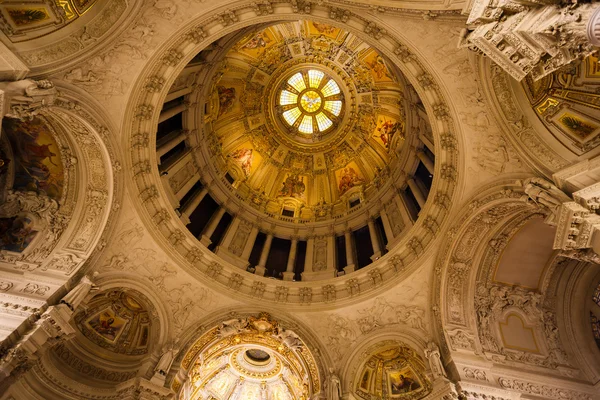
{"x": 311, "y": 102}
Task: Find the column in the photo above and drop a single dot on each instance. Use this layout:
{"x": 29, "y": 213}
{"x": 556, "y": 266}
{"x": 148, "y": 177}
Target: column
{"x": 191, "y": 205}
{"x": 350, "y": 263}
{"x": 260, "y": 268}
{"x": 403, "y": 211}
{"x": 288, "y": 275}
{"x": 331, "y": 268}
{"x": 416, "y": 190}
{"x": 171, "y": 112}
{"x": 169, "y": 142}
{"x": 250, "y": 243}
{"x": 387, "y": 227}
{"x": 187, "y": 187}
{"x": 224, "y": 250}
{"x": 212, "y": 225}
{"x": 374, "y": 239}
{"x": 425, "y": 160}
{"x": 179, "y": 93}
{"x": 427, "y": 142}
{"x": 310, "y": 255}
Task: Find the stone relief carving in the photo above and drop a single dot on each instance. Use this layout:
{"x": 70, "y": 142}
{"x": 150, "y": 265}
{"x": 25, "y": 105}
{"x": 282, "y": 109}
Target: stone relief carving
{"x": 320, "y": 260}
{"x": 240, "y": 238}
{"x": 490, "y": 305}
{"x": 342, "y": 332}
{"x": 79, "y": 365}
{"x": 27, "y": 98}
{"x": 432, "y": 352}
{"x": 519, "y": 125}
{"x": 548, "y": 392}
{"x": 52, "y": 222}
{"x": 541, "y": 31}
{"x": 546, "y": 195}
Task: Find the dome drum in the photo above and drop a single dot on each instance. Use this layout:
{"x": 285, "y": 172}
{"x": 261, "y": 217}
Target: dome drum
{"x": 316, "y": 145}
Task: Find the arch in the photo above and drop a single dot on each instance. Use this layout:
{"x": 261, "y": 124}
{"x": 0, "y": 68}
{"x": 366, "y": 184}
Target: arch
{"x": 128, "y": 281}
{"x": 77, "y": 222}
{"x": 353, "y": 366}
{"x": 577, "y": 282}
{"x": 142, "y": 112}
{"x": 280, "y": 334}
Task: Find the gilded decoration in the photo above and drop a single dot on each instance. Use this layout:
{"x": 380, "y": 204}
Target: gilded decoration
{"x": 303, "y": 116}
{"x": 251, "y": 357}
{"x": 118, "y": 321}
{"x": 31, "y": 19}
{"x": 568, "y": 103}
{"x": 392, "y": 372}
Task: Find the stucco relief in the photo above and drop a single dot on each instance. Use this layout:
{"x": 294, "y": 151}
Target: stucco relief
{"x": 134, "y": 252}
{"x": 345, "y": 327}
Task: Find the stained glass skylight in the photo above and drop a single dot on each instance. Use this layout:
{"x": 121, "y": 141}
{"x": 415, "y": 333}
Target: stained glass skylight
{"x": 311, "y": 101}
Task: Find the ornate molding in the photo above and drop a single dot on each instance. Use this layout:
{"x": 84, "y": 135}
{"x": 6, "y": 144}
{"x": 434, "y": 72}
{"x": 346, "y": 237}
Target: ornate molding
{"x": 153, "y": 198}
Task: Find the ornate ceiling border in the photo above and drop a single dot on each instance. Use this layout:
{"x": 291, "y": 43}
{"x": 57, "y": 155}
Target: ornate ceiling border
{"x": 141, "y": 119}
{"x": 521, "y": 129}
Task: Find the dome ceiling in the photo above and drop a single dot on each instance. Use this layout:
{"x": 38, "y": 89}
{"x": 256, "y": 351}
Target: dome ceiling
{"x": 568, "y": 104}
{"x": 305, "y": 115}
{"x": 251, "y": 358}
{"x": 117, "y": 321}
{"x": 392, "y": 372}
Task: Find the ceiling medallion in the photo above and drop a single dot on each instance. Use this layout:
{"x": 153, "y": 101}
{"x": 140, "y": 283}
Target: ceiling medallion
{"x": 310, "y": 103}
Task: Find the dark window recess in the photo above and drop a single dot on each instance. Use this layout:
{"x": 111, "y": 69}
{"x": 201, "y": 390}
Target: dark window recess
{"x": 198, "y": 58}
{"x": 229, "y": 178}
{"x": 422, "y": 174}
{"x": 340, "y": 247}
{"x": 259, "y": 243}
{"x": 429, "y": 154}
{"x": 219, "y": 232}
{"x": 175, "y": 123}
{"x": 382, "y": 235}
{"x": 171, "y": 156}
{"x": 278, "y": 257}
{"x": 201, "y": 215}
{"x": 190, "y": 195}
{"x": 354, "y": 203}
{"x": 287, "y": 213}
{"x": 364, "y": 248}
{"x": 300, "y": 260}
{"x": 411, "y": 203}
{"x": 172, "y": 103}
